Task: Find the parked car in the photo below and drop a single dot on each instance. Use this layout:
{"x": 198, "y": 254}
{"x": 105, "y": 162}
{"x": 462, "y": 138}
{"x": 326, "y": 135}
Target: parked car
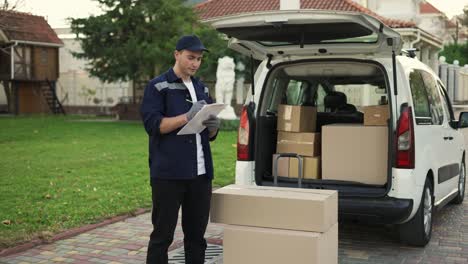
{"x": 308, "y": 55}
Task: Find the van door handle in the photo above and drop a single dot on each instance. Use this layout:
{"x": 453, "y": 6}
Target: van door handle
{"x": 448, "y": 138}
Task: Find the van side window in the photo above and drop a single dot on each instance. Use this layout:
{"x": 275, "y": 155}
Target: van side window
{"x": 445, "y": 102}
{"x": 294, "y": 92}
{"x": 321, "y": 93}
{"x": 421, "y": 104}
{"x": 437, "y": 110}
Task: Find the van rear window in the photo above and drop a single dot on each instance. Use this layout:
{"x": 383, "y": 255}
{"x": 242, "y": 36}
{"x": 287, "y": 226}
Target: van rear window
{"x": 316, "y": 84}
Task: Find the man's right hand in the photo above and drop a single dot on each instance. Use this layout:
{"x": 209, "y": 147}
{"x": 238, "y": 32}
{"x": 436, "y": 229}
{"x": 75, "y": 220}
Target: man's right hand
{"x": 197, "y": 106}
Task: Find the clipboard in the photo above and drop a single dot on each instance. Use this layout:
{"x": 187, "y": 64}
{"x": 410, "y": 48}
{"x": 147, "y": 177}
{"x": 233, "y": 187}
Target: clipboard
{"x": 195, "y": 125}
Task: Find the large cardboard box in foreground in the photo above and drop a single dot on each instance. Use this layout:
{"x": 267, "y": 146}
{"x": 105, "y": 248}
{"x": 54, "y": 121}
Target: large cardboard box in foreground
{"x": 357, "y": 153}
{"x": 296, "y": 118}
{"x": 289, "y": 167}
{"x": 254, "y": 245}
{"x": 306, "y": 144}
{"x": 275, "y": 207}
{"x": 376, "y": 115}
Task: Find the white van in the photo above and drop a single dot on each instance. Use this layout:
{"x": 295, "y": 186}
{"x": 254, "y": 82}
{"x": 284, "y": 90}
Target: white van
{"x": 309, "y": 56}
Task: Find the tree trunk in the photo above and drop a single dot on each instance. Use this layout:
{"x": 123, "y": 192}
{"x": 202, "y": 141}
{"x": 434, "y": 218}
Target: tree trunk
{"x": 133, "y": 91}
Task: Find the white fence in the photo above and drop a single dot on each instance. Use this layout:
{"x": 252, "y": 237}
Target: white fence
{"x": 455, "y": 79}
{"x": 76, "y": 88}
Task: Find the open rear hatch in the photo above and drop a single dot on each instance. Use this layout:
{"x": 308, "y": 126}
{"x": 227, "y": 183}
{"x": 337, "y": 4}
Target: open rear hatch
{"x": 307, "y": 32}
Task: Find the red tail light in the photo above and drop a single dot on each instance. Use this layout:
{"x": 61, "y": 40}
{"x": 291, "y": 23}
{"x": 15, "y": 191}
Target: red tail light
{"x": 243, "y": 136}
{"x": 405, "y": 140}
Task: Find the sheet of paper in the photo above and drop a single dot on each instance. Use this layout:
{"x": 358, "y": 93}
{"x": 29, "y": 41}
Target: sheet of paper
{"x": 195, "y": 125}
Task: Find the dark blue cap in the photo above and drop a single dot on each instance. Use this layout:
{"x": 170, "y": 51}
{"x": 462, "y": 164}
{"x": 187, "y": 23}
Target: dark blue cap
{"x": 190, "y": 42}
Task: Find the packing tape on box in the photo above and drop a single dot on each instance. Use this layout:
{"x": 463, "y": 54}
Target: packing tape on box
{"x": 295, "y": 142}
{"x": 280, "y": 190}
{"x": 287, "y": 113}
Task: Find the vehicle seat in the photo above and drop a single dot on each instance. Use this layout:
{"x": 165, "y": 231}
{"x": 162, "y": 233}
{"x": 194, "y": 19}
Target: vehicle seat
{"x": 337, "y": 110}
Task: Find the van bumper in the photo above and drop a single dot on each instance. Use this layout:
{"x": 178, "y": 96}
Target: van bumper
{"x": 382, "y": 210}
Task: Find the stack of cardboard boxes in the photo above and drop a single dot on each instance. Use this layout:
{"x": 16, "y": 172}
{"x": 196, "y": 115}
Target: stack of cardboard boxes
{"x": 344, "y": 152}
{"x": 356, "y": 152}
{"x": 296, "y": 134}
{"x": 277, "y": 225}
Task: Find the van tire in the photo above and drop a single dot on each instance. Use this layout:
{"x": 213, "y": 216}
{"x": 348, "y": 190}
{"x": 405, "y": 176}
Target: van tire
{"x": 414, "y": 231}
{"x": 461, "y": 185}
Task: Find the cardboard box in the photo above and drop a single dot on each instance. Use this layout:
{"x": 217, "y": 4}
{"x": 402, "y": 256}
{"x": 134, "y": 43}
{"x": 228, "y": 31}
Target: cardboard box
{"x": 283, "y": 166}
{"x": 289, "y": 167}
{"x": 297, "y": 118}
{"x": 275, "y": 207}
{"x": 355, "y": 153}
{"x": 376, "y": 115}
{"x": 306, "y": 144}
{"x": 254, "y": 245}
{"x": 310, "y": 168}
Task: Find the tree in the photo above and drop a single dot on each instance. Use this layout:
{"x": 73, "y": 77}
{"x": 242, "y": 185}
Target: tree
{"x": 456, "y": 52}
{"x": 9, "y": 6}
{"x": 133, "y": 40}
{"x": 464, "y": 18}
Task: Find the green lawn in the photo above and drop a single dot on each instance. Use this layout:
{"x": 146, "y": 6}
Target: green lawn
{"x": 57, "y": 173}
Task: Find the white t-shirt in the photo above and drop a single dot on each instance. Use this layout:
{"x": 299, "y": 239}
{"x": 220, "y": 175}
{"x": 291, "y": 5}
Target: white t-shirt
{"x": 200, "y": 156}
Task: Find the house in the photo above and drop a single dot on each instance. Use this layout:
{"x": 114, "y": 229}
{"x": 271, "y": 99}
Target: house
{"x": 407, "y": 10}
{"x": 29, "y": 63}
{"x": 436, "y": 22}
{"x": 401, "y": 15}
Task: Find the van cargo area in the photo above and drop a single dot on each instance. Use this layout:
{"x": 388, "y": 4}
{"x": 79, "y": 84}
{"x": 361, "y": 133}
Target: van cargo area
{"x": 335, "y": 115}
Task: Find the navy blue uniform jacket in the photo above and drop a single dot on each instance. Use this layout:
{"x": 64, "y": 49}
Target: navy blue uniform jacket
{"x": 172, "y": 156}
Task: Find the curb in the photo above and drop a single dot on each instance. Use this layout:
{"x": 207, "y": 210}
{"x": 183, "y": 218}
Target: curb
{"x": 69, "y": 233}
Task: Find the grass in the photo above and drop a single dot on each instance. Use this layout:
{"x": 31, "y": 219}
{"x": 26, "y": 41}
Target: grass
{"x": 58, "y": 173}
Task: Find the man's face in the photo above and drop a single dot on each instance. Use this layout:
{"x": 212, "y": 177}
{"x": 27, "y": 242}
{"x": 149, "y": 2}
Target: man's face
{"x": 188, "y": 61}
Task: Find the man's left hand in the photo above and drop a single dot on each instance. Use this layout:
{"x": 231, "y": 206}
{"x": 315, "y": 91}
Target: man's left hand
{"x": 212, "y": 123}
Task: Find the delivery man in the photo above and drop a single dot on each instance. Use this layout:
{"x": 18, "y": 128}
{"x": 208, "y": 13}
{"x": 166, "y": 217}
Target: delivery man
{"x": 181, "y": 166}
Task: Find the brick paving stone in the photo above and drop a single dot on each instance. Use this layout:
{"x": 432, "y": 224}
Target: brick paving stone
{"x": 126, "y": 242}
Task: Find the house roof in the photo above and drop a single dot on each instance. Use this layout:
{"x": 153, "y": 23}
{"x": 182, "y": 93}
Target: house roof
{"x": 216, "y": 8}
{"x": 427, "y": 8}
{"x": 18, "y": 26}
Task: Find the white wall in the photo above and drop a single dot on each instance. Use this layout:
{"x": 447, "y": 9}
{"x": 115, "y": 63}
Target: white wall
{"x": 76, "y": 87}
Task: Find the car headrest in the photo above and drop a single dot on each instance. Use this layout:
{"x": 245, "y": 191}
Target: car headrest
{"x": 334, "y": 100}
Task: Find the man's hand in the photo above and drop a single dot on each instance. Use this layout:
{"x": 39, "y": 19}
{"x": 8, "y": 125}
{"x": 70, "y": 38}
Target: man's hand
{"x": 197, "y": 106}
{"x": 212, "y": 123}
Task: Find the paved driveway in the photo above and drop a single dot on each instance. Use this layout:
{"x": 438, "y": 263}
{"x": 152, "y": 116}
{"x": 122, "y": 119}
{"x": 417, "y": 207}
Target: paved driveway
{"x": 125, "y": 242}
{"x": 367, "y": 244}
{"x": 377, "y": 244}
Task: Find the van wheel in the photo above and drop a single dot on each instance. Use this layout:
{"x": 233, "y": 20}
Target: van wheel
{"x": 461, "y": 185}
{"x": 417, "y": 231}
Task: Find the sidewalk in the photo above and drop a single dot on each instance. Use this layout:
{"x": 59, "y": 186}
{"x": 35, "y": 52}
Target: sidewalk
{"x": 121, "y": 242}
